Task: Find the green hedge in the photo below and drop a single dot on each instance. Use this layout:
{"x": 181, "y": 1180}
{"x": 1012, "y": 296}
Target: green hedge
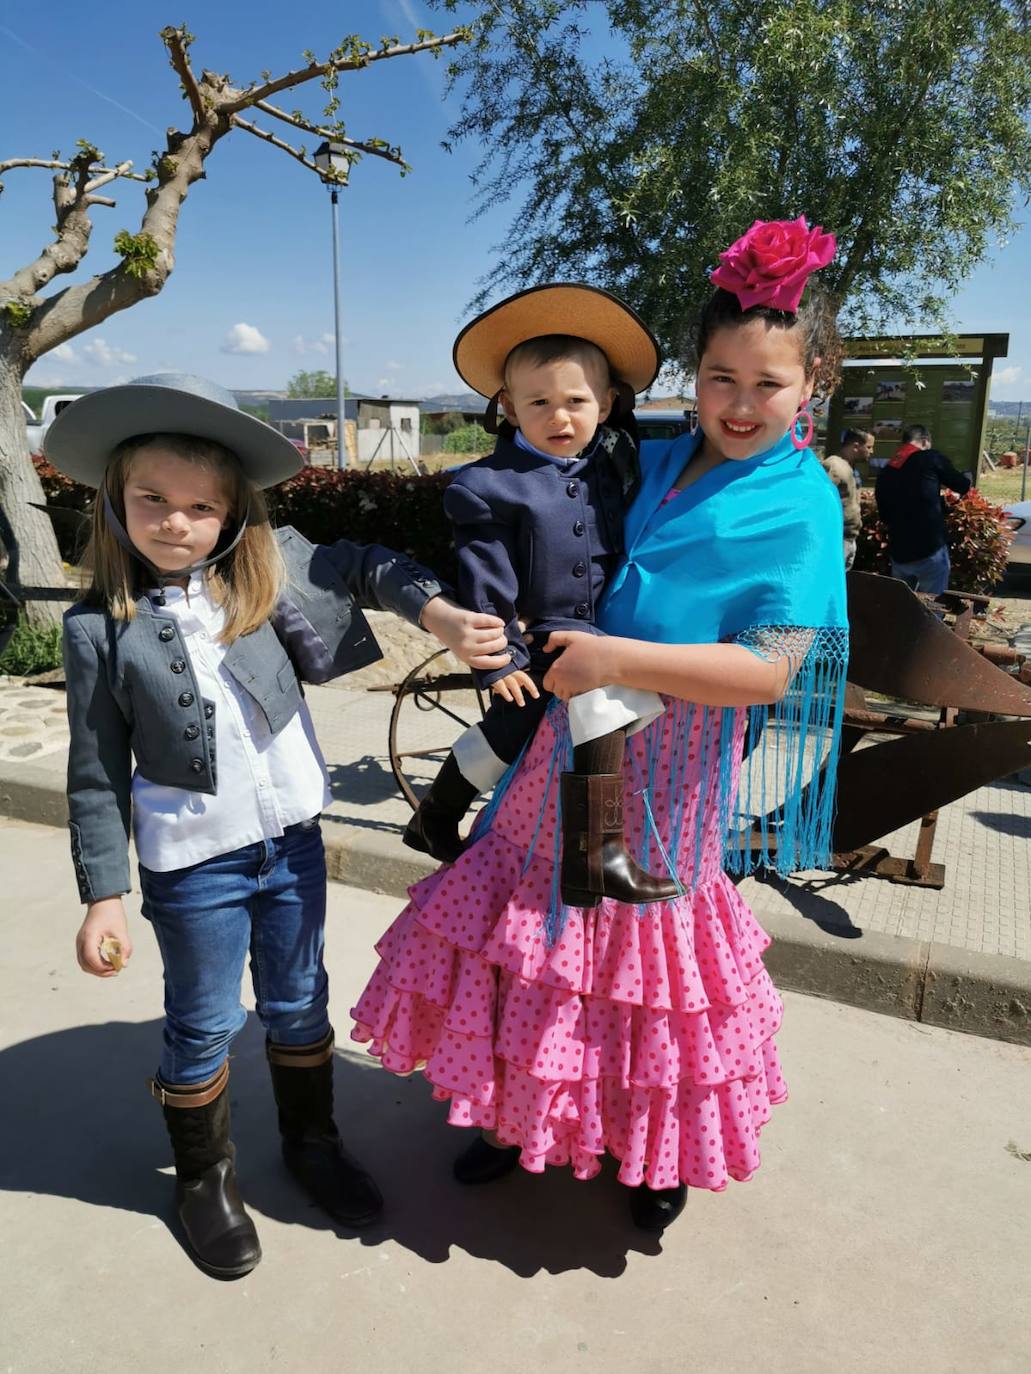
{"x": 31, "y": 651}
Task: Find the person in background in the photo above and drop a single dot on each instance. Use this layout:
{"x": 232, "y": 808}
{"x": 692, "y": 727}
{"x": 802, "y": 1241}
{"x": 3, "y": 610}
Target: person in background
{"x": 856, "y": 444}
{"x": 910, "y": 503}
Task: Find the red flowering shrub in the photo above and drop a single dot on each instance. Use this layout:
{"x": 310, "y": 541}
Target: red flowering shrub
{"x": 405, "y": 513}
{"x": 977, "y": 537}
{"x": 67, "y": 495}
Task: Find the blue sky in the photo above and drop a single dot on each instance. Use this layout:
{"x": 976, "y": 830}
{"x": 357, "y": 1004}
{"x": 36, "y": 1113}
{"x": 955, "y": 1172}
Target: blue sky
{"x": 251, "y": 299}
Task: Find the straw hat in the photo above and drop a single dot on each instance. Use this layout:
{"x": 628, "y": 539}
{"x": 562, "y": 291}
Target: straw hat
{"x": 81, "y": 438}
{"x": 585, "y": 312}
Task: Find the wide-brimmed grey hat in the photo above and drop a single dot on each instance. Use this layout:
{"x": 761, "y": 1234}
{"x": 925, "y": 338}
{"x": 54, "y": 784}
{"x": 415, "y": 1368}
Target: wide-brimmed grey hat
{"x": 82, "y": 437}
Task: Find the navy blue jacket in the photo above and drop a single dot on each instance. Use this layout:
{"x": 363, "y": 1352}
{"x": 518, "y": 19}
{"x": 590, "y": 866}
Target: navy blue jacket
{"x": 537, "y": 540}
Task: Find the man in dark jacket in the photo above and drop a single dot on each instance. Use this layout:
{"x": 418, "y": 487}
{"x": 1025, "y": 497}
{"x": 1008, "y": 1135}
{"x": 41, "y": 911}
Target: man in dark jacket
{"x": 910, "y": 503}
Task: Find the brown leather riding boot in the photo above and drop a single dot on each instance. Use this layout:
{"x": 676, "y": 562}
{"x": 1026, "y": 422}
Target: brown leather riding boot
{"x": 219, "y": 1234}
{"x": 595, "y": 862}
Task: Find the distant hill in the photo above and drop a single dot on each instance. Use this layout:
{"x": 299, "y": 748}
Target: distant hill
{"x": 1007, "y": 408}
{"x": 459, "y": 400}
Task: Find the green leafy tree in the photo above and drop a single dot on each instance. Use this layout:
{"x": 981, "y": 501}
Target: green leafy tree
{"x": 900, "y": 125}
{"x": 35, "y": 319}
{"x": 314, "y": 384}
{"x": 468, "y": 439}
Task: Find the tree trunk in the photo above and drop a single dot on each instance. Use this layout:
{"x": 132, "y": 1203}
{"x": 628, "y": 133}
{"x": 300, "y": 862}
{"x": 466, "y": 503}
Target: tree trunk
{"x": 27, "y": 535}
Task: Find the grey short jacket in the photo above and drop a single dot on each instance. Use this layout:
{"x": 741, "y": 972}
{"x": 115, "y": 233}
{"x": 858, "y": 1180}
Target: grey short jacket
{"x": 132, "y": 689}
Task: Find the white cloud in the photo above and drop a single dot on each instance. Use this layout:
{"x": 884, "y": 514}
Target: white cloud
{"x": 103, "y": 355}
{"x": 65, "y": 353}
{"x": 392, "y": 366}
{"x": 1006, "y": 376}
{"x": 245, "y": 338}
{"x": 322, "y": 346}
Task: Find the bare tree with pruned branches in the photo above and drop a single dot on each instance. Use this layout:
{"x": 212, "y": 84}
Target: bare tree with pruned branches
{"x": 32, "y": 323}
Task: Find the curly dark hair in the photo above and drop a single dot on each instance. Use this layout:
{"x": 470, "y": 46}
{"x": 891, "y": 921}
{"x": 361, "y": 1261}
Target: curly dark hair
{"x": 815, "y": 321}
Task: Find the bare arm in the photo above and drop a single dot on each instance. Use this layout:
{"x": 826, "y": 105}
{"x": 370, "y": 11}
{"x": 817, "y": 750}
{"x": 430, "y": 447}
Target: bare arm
{"x": 710, "y": 674}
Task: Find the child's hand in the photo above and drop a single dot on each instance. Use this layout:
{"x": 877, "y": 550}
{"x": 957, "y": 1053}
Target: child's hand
{"x": 474, "y": 637}
{"x": 581, "y": 666}
{"x": 512, "y": 686}
{"x": 104, "y": 920}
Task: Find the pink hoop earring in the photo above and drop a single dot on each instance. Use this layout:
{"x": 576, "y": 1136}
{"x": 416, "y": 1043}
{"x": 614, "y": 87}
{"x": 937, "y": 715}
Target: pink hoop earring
{"x": 804, "y": 413}
{"x": 692, "y": 422}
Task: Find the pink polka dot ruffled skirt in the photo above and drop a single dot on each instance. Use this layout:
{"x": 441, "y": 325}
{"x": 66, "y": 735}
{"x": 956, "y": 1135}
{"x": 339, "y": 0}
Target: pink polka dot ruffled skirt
{"x": 643, "y": 1033}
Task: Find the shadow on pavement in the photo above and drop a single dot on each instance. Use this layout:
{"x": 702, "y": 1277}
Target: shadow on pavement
{"x": 1019, "y": 826}
{"x": 80, "y": 1124}
{"x": 808, "y": 900}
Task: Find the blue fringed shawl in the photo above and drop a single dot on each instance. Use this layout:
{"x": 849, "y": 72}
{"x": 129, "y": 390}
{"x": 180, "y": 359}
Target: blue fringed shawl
{"x": 751, "y": 553}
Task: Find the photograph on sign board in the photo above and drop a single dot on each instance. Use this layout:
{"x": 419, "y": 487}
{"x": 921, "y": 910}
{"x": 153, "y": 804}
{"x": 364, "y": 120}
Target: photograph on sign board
{"x": 891, "y": 389}
{"x": 858, "y": 405}
{"x": 888, "y": 428}
{"x": 957, "y": 393}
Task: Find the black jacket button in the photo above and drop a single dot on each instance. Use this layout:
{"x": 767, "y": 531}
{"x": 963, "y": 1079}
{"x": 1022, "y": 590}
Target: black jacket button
{"x": 579, "y": 569}
{"x": 166, "y": 633}
{"x": 185, "y": 698}
{"x": 209, "y": 710}
{"x": 178, "y": 665}
{"x": 578, "y": 528}
{"x": 581, "y": 610}
{"x": 572, "y": 489}
{"x": 191, "y": 732}
{"x": 196, "y": 765}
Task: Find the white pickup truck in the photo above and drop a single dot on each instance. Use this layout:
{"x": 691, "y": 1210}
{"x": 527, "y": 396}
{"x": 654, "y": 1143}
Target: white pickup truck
{"x": 49, "y": 411}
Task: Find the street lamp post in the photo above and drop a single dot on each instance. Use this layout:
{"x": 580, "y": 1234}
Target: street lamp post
{"x": 334, "y": 165}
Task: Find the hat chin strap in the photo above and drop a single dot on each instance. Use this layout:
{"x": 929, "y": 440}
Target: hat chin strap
{"x": 160, "y": 577}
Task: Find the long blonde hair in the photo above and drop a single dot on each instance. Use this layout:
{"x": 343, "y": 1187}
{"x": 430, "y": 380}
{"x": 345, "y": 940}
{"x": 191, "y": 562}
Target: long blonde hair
{"x": 246, "y": 583}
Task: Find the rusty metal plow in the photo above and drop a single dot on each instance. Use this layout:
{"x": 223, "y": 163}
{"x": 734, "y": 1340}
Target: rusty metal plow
{"x": 900, "y": 647}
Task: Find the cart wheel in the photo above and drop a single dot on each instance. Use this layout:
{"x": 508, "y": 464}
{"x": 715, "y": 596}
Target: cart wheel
{"x": 417, "y": 747}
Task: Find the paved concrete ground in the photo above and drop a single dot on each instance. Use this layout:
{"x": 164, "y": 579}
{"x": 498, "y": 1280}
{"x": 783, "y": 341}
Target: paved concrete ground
{"x": 959, "y": 957}
{"x": 886, "y": 1231}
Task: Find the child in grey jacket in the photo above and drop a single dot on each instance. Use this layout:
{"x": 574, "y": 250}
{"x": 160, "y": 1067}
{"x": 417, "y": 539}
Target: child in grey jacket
{"x": 186, "y": 655}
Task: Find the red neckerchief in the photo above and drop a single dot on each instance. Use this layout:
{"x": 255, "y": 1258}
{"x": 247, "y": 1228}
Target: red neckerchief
{"x": 906, "y": 451}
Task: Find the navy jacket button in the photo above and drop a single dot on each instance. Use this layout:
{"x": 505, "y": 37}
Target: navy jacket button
{"x": 191, "y": 732}
{"x": 178, "y": 665}
{"x": 185, "y": 698}
{"x": 166, "y": 633}
{"x": 579, "y": 569}
{"x": 571, "y": 489}
{"x": 581, "y": 610}
{"x": 196, "y": 765}
{"x": 578, "y": 528}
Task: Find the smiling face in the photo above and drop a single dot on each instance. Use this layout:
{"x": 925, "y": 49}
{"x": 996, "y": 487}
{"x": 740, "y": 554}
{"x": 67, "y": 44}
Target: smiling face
{"x": 751, "y": 382}
{"x": 557, "y": 405}
{"x": 175, "y": 509}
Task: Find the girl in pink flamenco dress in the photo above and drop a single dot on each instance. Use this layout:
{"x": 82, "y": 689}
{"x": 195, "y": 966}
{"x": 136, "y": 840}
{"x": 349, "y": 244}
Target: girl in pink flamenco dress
{"x": 647, "y": 1032}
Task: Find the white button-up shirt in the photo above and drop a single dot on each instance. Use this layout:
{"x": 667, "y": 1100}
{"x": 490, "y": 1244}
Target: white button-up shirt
{"x": 265, "y": 782}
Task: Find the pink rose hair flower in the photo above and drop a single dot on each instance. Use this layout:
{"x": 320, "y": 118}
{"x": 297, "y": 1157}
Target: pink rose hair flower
{"x": 771, "y": 264}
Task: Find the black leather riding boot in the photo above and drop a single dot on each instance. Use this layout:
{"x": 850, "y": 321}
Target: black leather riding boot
{"x": 433, "y": 828}
{"x": 219, "y": 1233}
{"x": 302, "y": 1080}
{"x": 595, "y": 862}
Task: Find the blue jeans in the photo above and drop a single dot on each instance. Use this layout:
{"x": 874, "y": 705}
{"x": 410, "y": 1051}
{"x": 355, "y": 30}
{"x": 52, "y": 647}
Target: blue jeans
{"x": 929, "y": 574}
{"x": 268, "y": 898}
